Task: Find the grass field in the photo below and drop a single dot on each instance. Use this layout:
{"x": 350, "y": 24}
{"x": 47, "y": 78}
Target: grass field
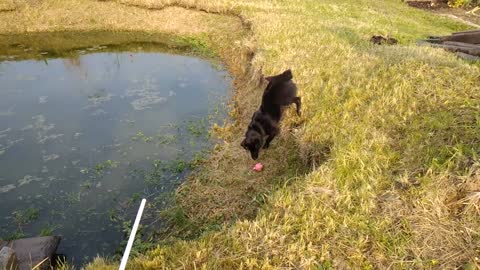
{"x": 382, "y": 171}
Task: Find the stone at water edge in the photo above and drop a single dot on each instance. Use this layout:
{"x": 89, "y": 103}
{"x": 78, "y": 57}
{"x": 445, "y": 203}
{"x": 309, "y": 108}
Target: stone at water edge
{"x": 258, "y": 167}
{"x": 31, "y": 251}
{"x": 8, "y": 259}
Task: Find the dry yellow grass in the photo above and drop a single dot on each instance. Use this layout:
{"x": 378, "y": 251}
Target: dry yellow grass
{"x": 84, "y": 15}
{"x": 7, "y": 5}
{"x": 391, "y": 136}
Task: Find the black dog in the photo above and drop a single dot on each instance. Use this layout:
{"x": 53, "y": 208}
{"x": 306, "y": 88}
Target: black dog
{"x": 281, "y": 91}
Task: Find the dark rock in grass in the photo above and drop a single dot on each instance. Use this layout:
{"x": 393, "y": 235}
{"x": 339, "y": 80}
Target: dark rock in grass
{"x": 468, "y": 57}
{"x": 381, "y": 40}
{"x": 465, "y": 44}
{"x": 471, "y": 37}
{"x": 32, "y": 251}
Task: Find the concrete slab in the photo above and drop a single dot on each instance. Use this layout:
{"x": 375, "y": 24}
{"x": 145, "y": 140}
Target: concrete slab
{"x": 31, "y": 251}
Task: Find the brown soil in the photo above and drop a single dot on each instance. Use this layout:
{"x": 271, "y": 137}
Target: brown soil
{"x": 441, "y": 7}
{"x": 430, "y": 5}
{"x": 461, "y": 14}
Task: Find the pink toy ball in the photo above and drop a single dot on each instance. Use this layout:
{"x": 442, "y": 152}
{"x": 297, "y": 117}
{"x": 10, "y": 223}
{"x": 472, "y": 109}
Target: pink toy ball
{"x": 258, "y": 167}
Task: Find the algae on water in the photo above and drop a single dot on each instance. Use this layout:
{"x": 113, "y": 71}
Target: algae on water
{"x": 147, "y": 95}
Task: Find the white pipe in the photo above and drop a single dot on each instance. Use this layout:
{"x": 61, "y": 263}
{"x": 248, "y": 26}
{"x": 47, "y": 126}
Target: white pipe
{"x": 128, "y": 248}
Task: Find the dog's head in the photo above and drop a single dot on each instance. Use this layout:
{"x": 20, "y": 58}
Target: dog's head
{"x": 253, "y": 142}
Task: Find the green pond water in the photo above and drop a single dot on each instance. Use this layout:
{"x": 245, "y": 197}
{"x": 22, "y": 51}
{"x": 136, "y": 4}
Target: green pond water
{"x": 84, "y": 138}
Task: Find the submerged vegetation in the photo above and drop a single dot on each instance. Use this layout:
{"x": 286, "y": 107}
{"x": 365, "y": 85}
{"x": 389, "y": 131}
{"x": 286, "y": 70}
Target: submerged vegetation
{"x": 382, "y": 170}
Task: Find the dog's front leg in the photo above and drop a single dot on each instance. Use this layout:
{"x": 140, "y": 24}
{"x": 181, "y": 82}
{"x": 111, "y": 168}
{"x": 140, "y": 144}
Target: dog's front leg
{"x": 298, "y": 102}
{"x": 269, "y": 139}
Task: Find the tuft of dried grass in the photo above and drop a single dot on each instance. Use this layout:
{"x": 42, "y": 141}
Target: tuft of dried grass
{"x": 7, "y": 5}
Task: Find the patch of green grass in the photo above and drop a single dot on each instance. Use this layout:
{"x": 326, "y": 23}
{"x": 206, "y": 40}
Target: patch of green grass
{"x": 15, "y": 235}
{"x": 87, "y": 184}
{"x": 100, "y": 167}
{"x": 198, "y": 159}
{"x": 166, "y": 139}
{"x": 177, "y": 166}
{"x": 463, "y": 3}
{"x": 73, "y": 197}
{"x": 198, "y": 44}
{"x": 134, "y": 199}
{"x": 184, "y": 228}
{"x": 67, "y": 44}
{"x": 47, "y": 230}
{"x": 142, "y": 137}
{"x": 139, "y": 246}
{"x": 197, "y": 128}
{"x": 110, "y": 164}
{"x": 113, "y": 215}
{"x": 27, "y": 216}
{"x": 324, "y": 266}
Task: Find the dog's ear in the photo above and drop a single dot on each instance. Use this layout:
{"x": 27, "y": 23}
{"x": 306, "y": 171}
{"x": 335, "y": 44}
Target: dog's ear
{"x": 287, "y": 75}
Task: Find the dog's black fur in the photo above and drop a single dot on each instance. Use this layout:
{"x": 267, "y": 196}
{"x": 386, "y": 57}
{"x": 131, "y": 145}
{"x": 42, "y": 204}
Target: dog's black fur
{"x": 281, "y": 91}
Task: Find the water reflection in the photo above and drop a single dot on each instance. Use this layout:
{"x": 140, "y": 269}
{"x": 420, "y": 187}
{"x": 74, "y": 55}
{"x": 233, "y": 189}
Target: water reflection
{"x": 75, "y": 132}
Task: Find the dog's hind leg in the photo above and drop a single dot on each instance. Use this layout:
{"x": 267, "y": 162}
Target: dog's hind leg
{"x": 298, "y": 102}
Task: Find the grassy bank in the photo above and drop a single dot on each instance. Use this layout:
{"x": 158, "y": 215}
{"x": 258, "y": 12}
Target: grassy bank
{"x": 390, "y": 135}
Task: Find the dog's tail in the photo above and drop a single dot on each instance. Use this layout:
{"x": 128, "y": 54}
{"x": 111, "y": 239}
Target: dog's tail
{"x": 280, "y": 78}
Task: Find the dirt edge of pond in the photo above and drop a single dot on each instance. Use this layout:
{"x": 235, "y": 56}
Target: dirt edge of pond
{"x": 208, "y": 199}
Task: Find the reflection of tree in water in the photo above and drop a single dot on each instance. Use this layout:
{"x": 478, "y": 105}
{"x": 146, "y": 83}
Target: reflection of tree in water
{"x": 74, "y": 64}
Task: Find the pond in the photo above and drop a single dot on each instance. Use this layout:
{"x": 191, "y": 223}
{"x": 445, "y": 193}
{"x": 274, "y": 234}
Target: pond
{"x": 84, "y": 138}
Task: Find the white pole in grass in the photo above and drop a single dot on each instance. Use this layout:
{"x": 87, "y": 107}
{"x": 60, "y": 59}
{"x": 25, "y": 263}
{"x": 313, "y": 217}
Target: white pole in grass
{"x": 128, "y": 248}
